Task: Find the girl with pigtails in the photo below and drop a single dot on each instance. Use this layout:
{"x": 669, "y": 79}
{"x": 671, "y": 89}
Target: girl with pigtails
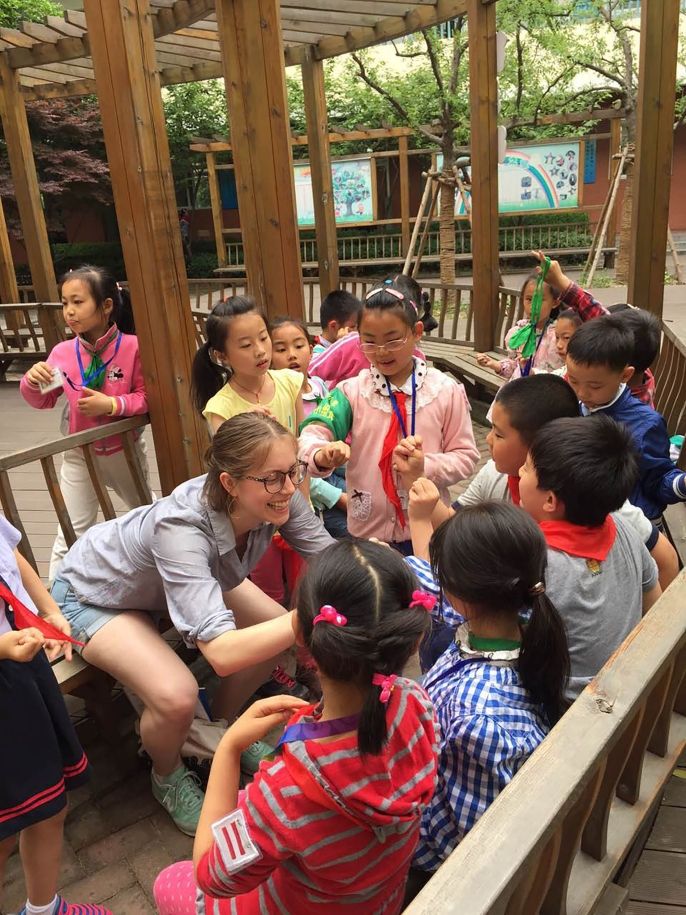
{"x": 332, "y": 821}
{"x": 499, "y": 686}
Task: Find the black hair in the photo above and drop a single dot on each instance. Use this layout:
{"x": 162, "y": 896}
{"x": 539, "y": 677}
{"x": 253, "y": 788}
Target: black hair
{"x": 207, "y": 377}
{"x": 409, "y": 286}
{"x": 493, "y": 557}
{"x": 102, "y": 286}
{"x": 590, "y": 463}
{"x": 340, "y": 306}
{"x": 533, "y": 401}
{"x": 282, "y": 320}
{"x": 406, "y": 305}
{"x": 647, "y": 333}
{"x": 604, "y": 341}
{"x": 372, "y": 587}
{"x": 570, "y": 314}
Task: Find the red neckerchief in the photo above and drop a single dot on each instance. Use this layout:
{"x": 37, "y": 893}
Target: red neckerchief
{"x": 577, "y": 540}
{"x": 513, "y": 487}
{"x": 26, "y": 619}
{"x": 386, "y": 461}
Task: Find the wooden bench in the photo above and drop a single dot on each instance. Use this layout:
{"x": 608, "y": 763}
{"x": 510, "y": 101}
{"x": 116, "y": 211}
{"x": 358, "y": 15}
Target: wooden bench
{"x": 555, "y": 839}
{"x": 28, "y": 331}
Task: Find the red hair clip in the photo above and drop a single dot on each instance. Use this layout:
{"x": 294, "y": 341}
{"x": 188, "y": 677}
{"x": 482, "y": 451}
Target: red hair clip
{"x": 387, "y": 683}
{"x": 329, "y": 614}
{"x": 423, "y": 599}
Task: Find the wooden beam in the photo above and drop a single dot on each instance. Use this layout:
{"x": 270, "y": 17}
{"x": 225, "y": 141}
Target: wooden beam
{"x": 569, "y": 117}
{"x": 216, "y": 204}
{"x": 404, "y": 178}
{"x": 26, "y": 190}
{"x": 483, "y": 106}
{"x": 320, "y": 171}
{"x": 373, "y": 133}
{"x": 654, "y": 144}
{"x": 123, "y": 50}
{"x": 250, "y": 35}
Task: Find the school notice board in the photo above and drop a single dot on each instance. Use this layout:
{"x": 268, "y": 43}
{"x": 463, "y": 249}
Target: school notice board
{"x": 541, "y": 177}
{"x": 353, "y": 191}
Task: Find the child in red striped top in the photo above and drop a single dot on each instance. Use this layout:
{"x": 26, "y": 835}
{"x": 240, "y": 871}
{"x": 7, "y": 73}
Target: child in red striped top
{"x": 332, "y": 821}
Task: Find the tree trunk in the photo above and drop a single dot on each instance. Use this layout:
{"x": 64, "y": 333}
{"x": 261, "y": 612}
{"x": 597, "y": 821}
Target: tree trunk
{"x": 624, "y": 244}
{"x": 446, "y": 233}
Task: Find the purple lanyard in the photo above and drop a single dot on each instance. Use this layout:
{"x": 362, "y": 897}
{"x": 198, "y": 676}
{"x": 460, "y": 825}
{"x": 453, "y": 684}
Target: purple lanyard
{"x": 396, "y": 409}
{"x": 310, "y": 730}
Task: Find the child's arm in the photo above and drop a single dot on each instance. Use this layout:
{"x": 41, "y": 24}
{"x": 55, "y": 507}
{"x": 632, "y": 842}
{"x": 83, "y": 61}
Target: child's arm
{"x": 459, "y": 453}
{"x": 649, "y": 580}
{"x": 325, "y": 495}
{"x": 46, "y": 606}
{"x": 569, "y": 293}
{"x": 667, "y": 561}
{"x": 322, "y": 435}
{"x": 408, "y": 460}
{"x": 659, "y": 478}
{"x": 424, "y": 497}
{"x": 40, "y": 373}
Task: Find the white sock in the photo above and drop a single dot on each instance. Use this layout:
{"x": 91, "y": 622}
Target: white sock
{"x": 40, "y": 909}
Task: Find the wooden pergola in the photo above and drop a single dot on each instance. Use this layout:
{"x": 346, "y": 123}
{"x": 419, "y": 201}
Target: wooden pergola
{"x": 125, "y": 50}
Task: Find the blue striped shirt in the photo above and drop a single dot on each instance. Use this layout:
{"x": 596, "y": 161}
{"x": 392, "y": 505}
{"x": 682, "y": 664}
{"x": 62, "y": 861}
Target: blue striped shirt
{"x": 489, "y": 726}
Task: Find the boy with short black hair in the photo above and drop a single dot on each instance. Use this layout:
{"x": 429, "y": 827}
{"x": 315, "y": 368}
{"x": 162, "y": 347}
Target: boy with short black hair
{"x": 646, "y": 330}
{"x": 600, "y": 576}
{"x": 599, "y": 368}
{"x": 339, "y": 310}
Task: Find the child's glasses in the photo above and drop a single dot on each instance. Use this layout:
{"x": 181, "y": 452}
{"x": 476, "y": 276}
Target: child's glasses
{"x": 276, "y": 481}
{"x": 369, "y": 349}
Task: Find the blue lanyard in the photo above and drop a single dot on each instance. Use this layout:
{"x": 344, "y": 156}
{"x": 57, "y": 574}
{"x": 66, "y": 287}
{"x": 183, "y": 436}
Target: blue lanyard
{"x": 104, "y": 365}
{"x": 310, "y": 730}
{"x": 530, "y": 361}
{"x": 396, "y": 409}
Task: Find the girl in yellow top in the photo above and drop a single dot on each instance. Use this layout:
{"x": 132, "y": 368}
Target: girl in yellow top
{"x": 231, "y": 371}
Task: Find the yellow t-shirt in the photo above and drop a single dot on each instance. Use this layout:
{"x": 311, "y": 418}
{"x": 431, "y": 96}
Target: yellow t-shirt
{"x": 287, "y": 384}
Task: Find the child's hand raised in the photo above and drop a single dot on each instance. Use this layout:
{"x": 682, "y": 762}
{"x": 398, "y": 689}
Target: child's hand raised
{"x": 424, "y": 496}
{"x": 554, "y": 277}
{"x": 408, "y": 459}
{"x": 21, "y": 646}
{"x": 258, "y": 720}
{"x": 331, "y": 456}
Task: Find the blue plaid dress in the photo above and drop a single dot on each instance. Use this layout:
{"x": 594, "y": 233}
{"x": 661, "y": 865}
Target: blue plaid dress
{"x": 489, "y": 727}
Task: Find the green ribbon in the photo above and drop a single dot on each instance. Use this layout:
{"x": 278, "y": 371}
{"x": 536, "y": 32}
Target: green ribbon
{"x": 525, "y": 337}
{"x": 94, "y": 376}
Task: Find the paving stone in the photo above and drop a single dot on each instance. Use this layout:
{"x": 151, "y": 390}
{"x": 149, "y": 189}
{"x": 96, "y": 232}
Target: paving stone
{"x": 86, "y": 825}
{"x": 118, "y": 846}
{"x": 131, "y": 901}
{"x": 176, "y": 843}
{"x": 148, "y": 862}
{"x": 101, "y": 885}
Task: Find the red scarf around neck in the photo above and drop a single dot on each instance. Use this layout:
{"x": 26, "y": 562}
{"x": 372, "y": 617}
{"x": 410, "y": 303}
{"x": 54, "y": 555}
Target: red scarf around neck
{"x": 578, "y": 540}
{"x": 513, "y": 487}
{"x": 26, "y": 619}
{"x": 392, "y": 438}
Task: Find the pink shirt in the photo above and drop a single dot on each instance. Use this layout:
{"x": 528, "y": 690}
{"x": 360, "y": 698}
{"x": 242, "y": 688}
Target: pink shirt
{"x": 123, "y": 381}
{"x": 443, "y": 421}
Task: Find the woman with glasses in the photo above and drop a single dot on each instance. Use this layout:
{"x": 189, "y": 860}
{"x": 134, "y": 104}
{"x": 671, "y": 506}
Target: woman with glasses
{"x": 403, "y": 417}
{"x": 188, "y": 555}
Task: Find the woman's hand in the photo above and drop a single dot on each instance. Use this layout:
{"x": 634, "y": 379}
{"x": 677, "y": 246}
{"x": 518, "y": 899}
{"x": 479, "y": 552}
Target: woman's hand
{"x": 21, "y": 646}
{"x": 487, "y": 361}
{"x": 94, "y": 403}
{"x": 257, "y": 721}
{"x": 54, "y": 648}
{"x": 331, "y": 456}
{"x": 40, "y": 373}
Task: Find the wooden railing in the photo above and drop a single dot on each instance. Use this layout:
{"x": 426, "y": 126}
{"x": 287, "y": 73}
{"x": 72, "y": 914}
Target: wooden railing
{"x": 555, "y": 838}
{"x": 670, "y": 385}
{"x": 45, "y": 454}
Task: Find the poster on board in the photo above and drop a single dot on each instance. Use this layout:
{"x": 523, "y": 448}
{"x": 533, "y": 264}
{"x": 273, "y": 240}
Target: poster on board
{"x": 353, "y": 191}
{"x": 544, "y": 176}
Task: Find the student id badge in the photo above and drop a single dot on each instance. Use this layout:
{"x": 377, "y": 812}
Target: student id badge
{"x": 57, "y": 382}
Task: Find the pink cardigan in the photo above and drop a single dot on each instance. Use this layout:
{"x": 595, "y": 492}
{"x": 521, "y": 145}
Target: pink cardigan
{"x": 123, "y": 381}
{"x": 443, "y": 421}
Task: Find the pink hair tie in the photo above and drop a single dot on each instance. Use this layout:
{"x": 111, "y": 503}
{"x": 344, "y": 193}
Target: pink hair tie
{"x": 387, "y": 683}
{"x": 423, "y": 599}
{"x": 329, "y": 614}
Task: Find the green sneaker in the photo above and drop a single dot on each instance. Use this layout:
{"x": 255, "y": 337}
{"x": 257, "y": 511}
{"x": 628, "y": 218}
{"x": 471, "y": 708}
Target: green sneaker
{"x": 181, "y": 796}
{"x": 253, "y": 755}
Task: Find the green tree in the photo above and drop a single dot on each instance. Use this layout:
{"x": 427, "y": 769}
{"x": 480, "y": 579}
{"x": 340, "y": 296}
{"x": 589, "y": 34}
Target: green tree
{"x": 14, "y": 12}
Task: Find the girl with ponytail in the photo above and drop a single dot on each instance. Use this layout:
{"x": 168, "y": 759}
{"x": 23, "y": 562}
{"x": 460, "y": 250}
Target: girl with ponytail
{"x": 333, "y": 820}
{"x": 99, "y": 372}
{"x": 499, "y": 687}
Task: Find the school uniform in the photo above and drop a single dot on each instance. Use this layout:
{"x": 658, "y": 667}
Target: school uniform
{"x": 42, "y": 757}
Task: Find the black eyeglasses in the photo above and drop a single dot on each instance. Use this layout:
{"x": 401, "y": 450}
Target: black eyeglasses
{"x": 276, "y": 481}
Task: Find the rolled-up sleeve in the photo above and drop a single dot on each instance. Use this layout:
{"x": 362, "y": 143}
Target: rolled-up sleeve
{"x": 304, "y": 530}
{"x": 194, "y": 596}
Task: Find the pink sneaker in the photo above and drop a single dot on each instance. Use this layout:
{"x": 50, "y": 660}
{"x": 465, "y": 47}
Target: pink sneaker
{"x": 62, "y": 907}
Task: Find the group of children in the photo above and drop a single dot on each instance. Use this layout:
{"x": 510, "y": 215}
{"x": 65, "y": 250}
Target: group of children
{"x": 515, "y": 595}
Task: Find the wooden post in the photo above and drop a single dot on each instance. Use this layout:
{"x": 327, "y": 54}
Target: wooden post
{"x": 483, "y": 105}
{"x": 404, "y": 176}
{"x": 25, "y": 180}
{"x": 320, "y": 170}
{"x": 216, "y": 204}
{"x": 8, "y": 278}
{"x": 250, "y": 36}
{"x": 654, "y": 141}
{"x": 123, "y": 51}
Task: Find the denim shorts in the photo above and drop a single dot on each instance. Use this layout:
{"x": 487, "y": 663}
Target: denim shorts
{"x": 84, "y": 619}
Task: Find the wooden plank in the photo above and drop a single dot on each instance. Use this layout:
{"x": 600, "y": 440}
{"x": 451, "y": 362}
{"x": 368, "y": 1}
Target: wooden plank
{"x": 650, "y": 908}
{"x": 250, "y": 34}
{"x": 654, "y": 144}
{"x": 217, "y": 210}
{"x": 320, "y": 169}
{"x": 660, "y": 877}
{"x": 669, "y": 831}
{"x": 483, "y": 103}
{"x": 675, "y": 792}
{"x": 301, "y": 139}
{"x": 123, "y": 51}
